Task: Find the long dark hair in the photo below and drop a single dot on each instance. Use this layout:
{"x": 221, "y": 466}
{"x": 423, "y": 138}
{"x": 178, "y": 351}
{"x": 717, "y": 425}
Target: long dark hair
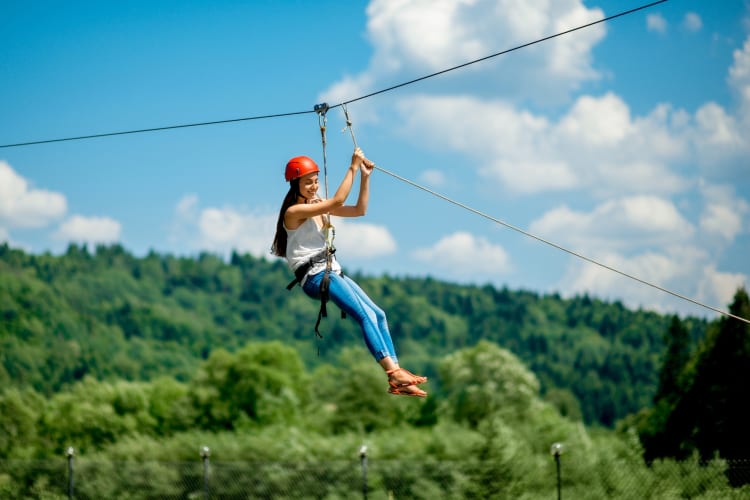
{"x": 279, "y": 240}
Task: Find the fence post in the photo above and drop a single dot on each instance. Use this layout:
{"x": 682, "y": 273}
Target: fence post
{"x": 70, "y": 452}
{"x": 363, "y": 462}
{"x": 205, "y": 453}
{"x": 556, "y": 450}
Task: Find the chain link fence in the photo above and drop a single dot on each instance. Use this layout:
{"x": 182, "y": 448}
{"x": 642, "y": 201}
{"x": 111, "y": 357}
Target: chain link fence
{"x": 83, "y": 479}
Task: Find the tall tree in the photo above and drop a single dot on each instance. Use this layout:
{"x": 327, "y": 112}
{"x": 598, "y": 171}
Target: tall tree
{"x": 664, "y": 428}
{"x": 719, "y": 391}
{"x": 671, "y": 376}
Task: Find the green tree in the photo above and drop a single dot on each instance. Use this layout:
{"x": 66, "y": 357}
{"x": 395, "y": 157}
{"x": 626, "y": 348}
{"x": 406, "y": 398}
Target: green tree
{"x": 701, "y": 404}
{"x": 483, "y": 380}
{"x": 663, "y": 427}
{"x": 672, "y": 374}
{"x": 170, "y": 406}
{"x": 261, "y": 383}
{"x": 719, "y": 391}
{"x": 94, "y": 414}
{"x": 19, "y": 415}
{"x": 113, "y": 315}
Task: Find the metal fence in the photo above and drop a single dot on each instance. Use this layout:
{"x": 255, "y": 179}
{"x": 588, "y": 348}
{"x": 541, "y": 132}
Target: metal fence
{"x": 83, "y": 479}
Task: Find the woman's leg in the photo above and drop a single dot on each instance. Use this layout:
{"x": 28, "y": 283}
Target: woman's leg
{"x": 374, "y": 311}
{"x": 350, "y": 298}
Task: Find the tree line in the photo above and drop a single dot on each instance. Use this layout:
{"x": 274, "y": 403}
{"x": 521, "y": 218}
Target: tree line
{"x": 104, "y": 347}
{"x": 485, "y": 434}
{"x": 109, "y": 314}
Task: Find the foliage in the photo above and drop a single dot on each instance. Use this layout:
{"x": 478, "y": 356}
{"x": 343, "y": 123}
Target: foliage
{"x": 130, "y": 446}
{"x": 485, "y": 380}
{"x": 110, "y": 315}
{"x": 700, "y": 408}
{"x": 125, "y": 358}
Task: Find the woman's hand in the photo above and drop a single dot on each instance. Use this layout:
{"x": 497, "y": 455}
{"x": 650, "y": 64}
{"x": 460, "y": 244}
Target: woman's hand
{"x": 366, "y": 168}
{"x": 361, "y": 163}
{"x": 357, "y": 157}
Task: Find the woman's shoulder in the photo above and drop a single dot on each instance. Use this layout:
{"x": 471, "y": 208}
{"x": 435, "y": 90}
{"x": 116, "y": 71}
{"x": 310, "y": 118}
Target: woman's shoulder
{"x": 308, "y": 222}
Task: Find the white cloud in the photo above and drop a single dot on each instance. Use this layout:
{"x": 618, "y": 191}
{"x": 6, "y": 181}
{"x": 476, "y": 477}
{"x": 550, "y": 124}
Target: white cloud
{"x": 739, "y": 80}
{"x": 571, "y": 59}
{"x": 186, "y": 207}
{"x": 723, "y": 213}
{"x": 692, "y": 22}
{"x": 739, "y": 73}
{"x": 718, "y": 287}
{"x": 597, "y": 122}
{"x": 656, "y": 22}
{"x": 649, "y": 240}
{"x": 433, "y": 178}
{"x": 360, "y": 240}
{"x": 721, "y": 138}
{"x": 465, "y": 256}
{"x": 223, "y": 230}
{"x": 622, "y": 224}
{"x": 596, "y": 146}
{"x": 716, "y": 127}
{"x": 633, "y": 170}
{"x": 721, "y": 220}
{"x": 721, "y": 142}
{"x": 513, "y": 144}
{"x": 428, "y": 33}
{"x": 682, "y": 270}
{"x": 226, "y": 229}
{"x": 91, "y": 230}
{"x": 22, "y": 205}
{"x": 417, "y": 37}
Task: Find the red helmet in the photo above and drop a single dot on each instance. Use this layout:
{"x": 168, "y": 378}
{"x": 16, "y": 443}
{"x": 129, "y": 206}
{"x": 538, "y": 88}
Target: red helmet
{"x": 299, "y": 166}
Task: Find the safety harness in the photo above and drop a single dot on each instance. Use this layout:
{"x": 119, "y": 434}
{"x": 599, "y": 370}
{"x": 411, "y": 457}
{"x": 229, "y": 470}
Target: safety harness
{"x": 301, "y": 272}
{"x": 330, "y": 233}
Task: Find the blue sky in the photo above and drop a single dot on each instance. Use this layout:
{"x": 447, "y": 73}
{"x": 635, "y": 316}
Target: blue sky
{"x": 627, "y": 142}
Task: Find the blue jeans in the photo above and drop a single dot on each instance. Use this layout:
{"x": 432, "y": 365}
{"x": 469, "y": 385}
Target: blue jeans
{"x": 351, "y": 299}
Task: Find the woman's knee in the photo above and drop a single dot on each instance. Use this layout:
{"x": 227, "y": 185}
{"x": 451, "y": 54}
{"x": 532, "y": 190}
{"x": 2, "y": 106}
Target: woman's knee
{"x": 380, "y": 314}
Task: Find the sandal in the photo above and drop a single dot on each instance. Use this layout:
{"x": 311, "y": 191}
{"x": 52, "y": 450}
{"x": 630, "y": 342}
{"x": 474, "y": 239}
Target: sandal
{"x": 415, "y": 379}
{"x": 400, "y": 391}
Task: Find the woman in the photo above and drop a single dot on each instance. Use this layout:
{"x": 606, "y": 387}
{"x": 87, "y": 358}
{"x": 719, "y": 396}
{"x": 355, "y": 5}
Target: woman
{"x": 301, "y": 239}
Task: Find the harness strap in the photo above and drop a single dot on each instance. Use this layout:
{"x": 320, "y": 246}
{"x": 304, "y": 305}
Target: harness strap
{"x": 301, "y": 271}
{"x": 324, "y": 297}
{"x": 299, "y": 275}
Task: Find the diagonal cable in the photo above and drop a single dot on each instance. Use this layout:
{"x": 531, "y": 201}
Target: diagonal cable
{"x": 555, "y": 245}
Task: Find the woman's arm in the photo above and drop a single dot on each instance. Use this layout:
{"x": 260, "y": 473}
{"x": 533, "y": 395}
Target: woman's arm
{"x": 363, "y": 199}
{"x": 296, "y": 214}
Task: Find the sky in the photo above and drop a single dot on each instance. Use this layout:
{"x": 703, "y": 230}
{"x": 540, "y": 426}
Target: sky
{"x": 626, "y": 142}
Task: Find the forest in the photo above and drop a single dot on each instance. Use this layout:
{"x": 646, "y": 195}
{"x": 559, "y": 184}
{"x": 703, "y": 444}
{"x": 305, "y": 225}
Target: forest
{"x": 122, "y": 356}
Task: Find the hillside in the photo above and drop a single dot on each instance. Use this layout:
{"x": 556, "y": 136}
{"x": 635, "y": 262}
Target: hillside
{"x": 110, "y": 315}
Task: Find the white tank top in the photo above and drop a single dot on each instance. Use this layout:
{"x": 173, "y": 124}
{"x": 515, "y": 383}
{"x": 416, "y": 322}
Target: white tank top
{"x": 306, "y": 242}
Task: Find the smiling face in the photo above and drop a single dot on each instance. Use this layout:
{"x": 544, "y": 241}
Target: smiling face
{"x": 308, "y": 186}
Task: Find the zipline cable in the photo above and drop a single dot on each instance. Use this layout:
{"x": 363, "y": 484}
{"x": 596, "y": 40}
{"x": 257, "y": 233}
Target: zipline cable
{"x": 414, "y": 184}
{"x": 154, "y": 129}
{"x": 539, "y": 238}
{"x": 550, "y": 37}
{"x": 560, "y": 247}
{"x": 278, "y": 115}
